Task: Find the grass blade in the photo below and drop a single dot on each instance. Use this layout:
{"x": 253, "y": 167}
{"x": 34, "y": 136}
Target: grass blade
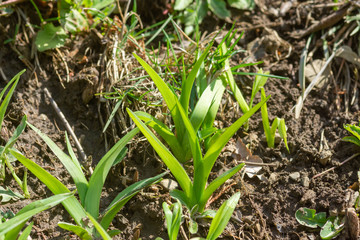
{"x": 99, "y": 228}
{"x": 26, "y": 233}
{"x": 100, "y": 173}
{"x": 215, "y": 148}
{"x": 123, "y": 197}
{"x": 218, "y": 182}
{"x": 8, "y": 96}
{"x": 79, "y": 231}
{"x": 222, "y": 217}
{"x": 169, "y": 97}
{"x": 282, "y": 132}
{"x": 74, "y": 170}
{"x": 234, "y": 88}
{"x": 165, "y": 133}
{"x": 19, "y": 129}
{"x": 72, "y": 205}
{"x": 170, "y": 161}
{"x": 30, "y": 210}
{"x": 265, "y": 117}
{"x": 188, "y": 83}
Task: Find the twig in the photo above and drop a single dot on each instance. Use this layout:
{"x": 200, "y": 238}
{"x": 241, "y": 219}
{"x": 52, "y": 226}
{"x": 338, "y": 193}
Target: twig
{"x": 342, "y": 163}
{"x": 66, "y": 123}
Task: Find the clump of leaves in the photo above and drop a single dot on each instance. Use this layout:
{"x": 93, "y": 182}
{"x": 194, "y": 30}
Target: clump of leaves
{"x": 89, "y": 191}
{"x": 6, "y": 157}
{"x": 73, "y": 16}
{"x": 330, "y": 227}
{"x": 194, "y": 11}
{"x": 220, "y": 220}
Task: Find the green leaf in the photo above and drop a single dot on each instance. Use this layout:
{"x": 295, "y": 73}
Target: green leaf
{"x": 161, "y": 129}
{"x": 219, "y": 8}
{"x": 242, "y": 4}
{"x": 14, "y": 81}
{"x": 332, "y": 228}
{"x": 193, "y": 226}
{"x": 258, "y": 83}
{"x": 307, "y": 217}
{"x": 79, "y": 231}
{"x": 99, "y": 228}
{"x": 169, "y": 97}
{"x": 173, "y": 219}
{"x": 123, "y": 197}
{"x": 50, "y": 37}
{"x": 220, "y": 142}
{"x": 8, "y": 195}
{"x": 188, "y": 83}
{"x": 229, "y": 78}
{"x": 56, "y": 187}
{"x": 97, "y": 180}
{"x": 352, "y": 139}
{"x": 265, "y": 118}
{"x": 214, "y": 185}
{"x": 181, "y": 4}
{"x": 222, "y": 217}
{"x": 170, "y": 161}
{"x": 282, "y": 132}
{"x": 26, "y": 233}
{"x": 10, "y": 143}
{"x": 32, "y": 209}
{"x": 71, "y": 166}
{"x": 71, "y": 19}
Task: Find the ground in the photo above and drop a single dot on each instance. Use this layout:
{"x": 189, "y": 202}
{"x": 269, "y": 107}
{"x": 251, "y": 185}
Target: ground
{"x": 267, "y": 207}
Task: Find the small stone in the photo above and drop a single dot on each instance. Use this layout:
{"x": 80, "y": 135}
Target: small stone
{"x": 169, "y": 184}
{"x": 305, "y": 181}
{"x": 295, "y": 176}
{"x": 272, "y": 177}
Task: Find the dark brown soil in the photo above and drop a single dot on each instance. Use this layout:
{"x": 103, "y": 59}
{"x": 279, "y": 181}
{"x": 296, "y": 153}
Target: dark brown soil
{"x": 266, "y": 208}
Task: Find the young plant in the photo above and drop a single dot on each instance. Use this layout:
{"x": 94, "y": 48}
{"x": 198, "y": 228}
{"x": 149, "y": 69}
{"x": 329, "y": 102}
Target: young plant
{"x": 194, "y": 194}
{"x": 279, "y": 123}
{"x": 218, "y": 223}
{"x": 173, "y": 219}
{"x": 89, "y": 191}
{"x": 330, "y": 227}
{"x": 11, "y": 228}
{"x": 5, "y": 157}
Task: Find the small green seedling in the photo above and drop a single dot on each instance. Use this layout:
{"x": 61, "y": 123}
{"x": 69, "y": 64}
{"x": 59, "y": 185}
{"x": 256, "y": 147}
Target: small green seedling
{"x": 5, "y": 157}
{"x": 10, "y": 229}
{"x": 218, "y": 224}
{"x": 330, "y": 227}
{"x": 89, "y": 191}
{"x": 355, "y": 131}
{"x": 278, "y": 123}
{"x": 173, "y": 219}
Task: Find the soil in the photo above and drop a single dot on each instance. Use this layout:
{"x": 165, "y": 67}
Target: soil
{"x": 267, "y": 207}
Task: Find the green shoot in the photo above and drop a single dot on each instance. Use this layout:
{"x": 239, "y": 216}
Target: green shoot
{"x": 89, "y": 191}
{"x": 173, "y": 219}
{"x": 5, "y": 157}
{"x": 12, "y": 227}
{"x": 279, "y": 123}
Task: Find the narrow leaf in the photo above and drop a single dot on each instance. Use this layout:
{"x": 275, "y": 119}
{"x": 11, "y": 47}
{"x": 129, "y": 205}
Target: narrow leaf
{"x": 72, "y": 205}
{"x": 99, "y": 228}
{"x": 81, "y": 232}
{"x": 100, "y": 173}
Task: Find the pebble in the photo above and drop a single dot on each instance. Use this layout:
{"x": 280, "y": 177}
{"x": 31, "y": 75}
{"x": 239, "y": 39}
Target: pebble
{"x": 169, "y": 184}
{"x": 272, "y": 177}
{"x": 295, "y": 176}
{"x": 305, "y": 181}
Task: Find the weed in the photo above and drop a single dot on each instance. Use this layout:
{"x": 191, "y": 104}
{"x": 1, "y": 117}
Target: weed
{"x": 89, "y": 191}
{"x": 330, "y": 227}
{"x": 11, "y": 228}
{"x": 355, "y": 131}
{"x": 194, "y": 194}
{"x": 5, "y": 157}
